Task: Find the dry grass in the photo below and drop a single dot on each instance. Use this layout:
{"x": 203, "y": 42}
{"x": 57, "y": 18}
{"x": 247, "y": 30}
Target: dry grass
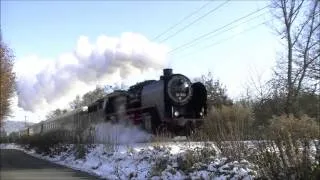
{"x": 162, "y": 136}
{"x": 296, "y": 128}
{"x": 228, "y": 123}
{"x": 288, "y": 148}
{"x": 286, "y": 159}
{"x": 292, "y": 150}
{"x": 227, "y": 126}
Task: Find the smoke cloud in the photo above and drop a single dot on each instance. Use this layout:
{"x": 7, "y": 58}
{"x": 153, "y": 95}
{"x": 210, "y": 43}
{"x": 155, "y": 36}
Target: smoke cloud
{"x": 110, "y": 59}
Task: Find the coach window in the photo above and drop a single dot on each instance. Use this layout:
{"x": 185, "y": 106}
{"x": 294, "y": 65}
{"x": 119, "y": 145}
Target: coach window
{"x": 100, "y": 104}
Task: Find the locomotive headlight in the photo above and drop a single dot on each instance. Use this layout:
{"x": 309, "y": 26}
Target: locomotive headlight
{"x": 179, "y": 89}
{"x": 201, "y": 114}
{"x": 176, "y": 113}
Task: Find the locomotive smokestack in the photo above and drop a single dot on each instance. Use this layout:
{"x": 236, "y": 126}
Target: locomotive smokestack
{"x": 167, "y": 72}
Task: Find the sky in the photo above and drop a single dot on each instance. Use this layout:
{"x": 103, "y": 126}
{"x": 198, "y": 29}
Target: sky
{"x": 48, "y": 32}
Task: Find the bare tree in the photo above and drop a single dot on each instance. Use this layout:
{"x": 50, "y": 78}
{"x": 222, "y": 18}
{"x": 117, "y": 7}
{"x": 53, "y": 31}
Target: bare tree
{"x": 7, "y": 80}
{"x": 257, "y": 87}
{"x": 217, "y": 92}
{"x": 91, "y": 96}
{"x": 88, "y": 98}
{"x": 299, "y": 28}
{"x": 54, "y": 114}
{"x": 76, "y": 103}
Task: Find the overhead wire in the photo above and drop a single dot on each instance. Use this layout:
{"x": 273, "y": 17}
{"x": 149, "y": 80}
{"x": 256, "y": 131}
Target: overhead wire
{"x": 196, "y": 20}
{"x": 230, "y": 37}
{"x": 182, "y": 20}
{"x": 233, "y": 27}
{"x": 225, "y": 39}
{"x": 193, "y": 41}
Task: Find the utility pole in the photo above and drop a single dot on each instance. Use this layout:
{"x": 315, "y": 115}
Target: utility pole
{"x": 25, "y": 121}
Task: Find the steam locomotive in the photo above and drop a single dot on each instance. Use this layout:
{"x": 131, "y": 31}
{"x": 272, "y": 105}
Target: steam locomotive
{"x": 173, "y": 103}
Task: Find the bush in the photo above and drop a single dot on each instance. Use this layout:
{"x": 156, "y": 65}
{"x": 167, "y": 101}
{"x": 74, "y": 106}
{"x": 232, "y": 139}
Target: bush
{"x": 194, "y": 159}
{"x": 13, "y": 137}
{"x": 289, "y": 149}
{"x": 296, "y": 128}
{"x": 228, "y": 123}
{"x": 160, "y": 165}
{"x": 228, "y": 126}
{"x": 44, "y": 143}
{"x": 80, "y": 151}
{"x": 4, "y": 139}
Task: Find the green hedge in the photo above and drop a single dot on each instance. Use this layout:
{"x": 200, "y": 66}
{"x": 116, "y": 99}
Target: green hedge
{"x": 44, "y": 143}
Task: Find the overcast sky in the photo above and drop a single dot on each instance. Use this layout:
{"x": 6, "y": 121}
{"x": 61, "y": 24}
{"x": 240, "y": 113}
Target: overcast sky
{"x": 48, "y": 32}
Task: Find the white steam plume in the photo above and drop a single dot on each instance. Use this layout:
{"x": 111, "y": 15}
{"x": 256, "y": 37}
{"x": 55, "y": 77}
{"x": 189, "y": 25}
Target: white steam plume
{"x": 119, "y": 134}
{"x": 108, "y": 60}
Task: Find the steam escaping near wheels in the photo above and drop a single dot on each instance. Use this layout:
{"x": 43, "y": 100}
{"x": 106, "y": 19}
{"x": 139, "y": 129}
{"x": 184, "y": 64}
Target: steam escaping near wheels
{"x": 119, "y": 133}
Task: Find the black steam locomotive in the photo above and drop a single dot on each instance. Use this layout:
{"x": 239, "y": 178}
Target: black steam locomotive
{"x": 171, "y": 103}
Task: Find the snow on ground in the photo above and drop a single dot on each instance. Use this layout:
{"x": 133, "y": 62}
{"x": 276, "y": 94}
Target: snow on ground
{"x": 151, "y": 161}
{"x": 10, "y": 146}
{"x": 119, "y": 154}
